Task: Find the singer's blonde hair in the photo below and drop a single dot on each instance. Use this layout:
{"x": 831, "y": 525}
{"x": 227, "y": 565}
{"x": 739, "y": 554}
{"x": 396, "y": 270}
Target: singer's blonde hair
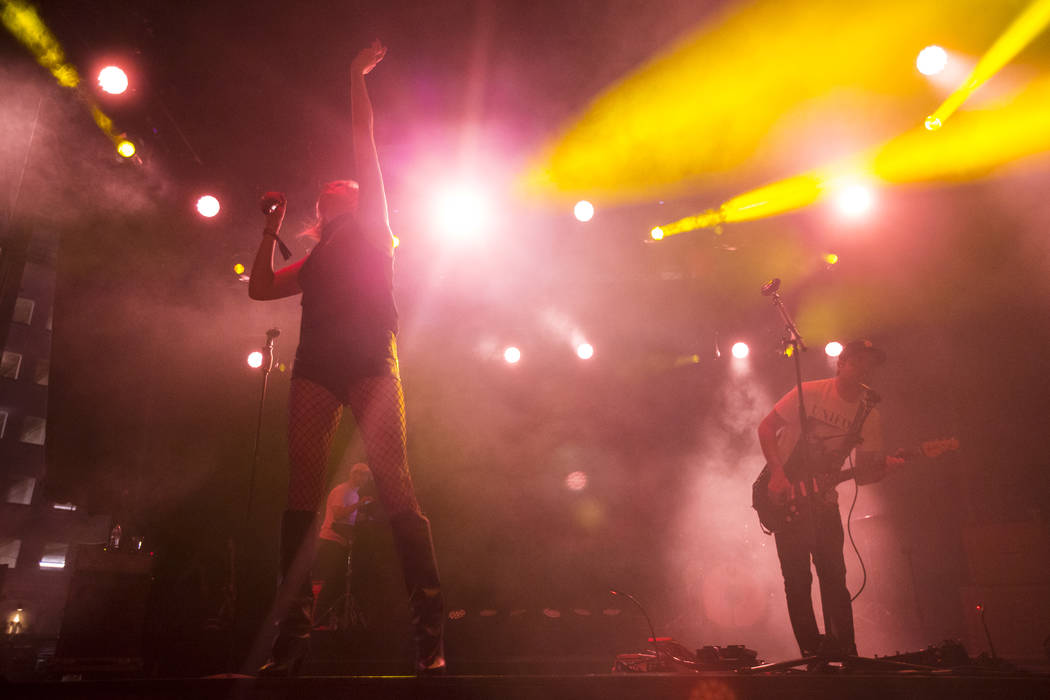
{"x": 337, "y": 197}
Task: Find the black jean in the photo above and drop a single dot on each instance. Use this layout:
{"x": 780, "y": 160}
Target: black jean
{"x": 817, "y": 535}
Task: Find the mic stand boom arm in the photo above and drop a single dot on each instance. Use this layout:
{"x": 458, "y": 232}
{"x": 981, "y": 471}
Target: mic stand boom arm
{"x": 794, "y": 341}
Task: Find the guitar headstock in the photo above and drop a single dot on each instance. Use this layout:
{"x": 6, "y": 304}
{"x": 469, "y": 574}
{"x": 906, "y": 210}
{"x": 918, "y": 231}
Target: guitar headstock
{"x": 935, "y": 448}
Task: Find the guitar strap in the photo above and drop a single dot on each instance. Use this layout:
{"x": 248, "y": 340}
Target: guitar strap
{"x": 853, "y": 437}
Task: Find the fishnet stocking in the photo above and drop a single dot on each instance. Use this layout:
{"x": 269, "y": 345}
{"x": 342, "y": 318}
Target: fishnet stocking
{"x": 378, "y": 405}
{"x": 313, "y": 416}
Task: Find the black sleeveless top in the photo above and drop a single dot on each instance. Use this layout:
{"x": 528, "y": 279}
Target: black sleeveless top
{"x": 349, "y": 318}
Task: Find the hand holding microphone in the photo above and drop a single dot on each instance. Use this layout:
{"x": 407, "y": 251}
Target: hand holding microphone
{"x": 273, "y": 205}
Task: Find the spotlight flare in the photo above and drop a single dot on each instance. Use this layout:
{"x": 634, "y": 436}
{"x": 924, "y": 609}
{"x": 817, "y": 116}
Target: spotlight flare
{"x": 583, "y": 211}
{"x": 462, "y": 211}
{"x": 113, "y": 80}
{"x": 740, "y": 350}
{"x": 931, "y": 60}
{"x": 208, "y": 206}
{"x": 255, "y": 359}
{"x": 855, "y": 200}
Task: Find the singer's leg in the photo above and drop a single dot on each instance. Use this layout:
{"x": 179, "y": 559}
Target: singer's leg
{"x": 313, "y": 417}
{"x": 379, "y": 406}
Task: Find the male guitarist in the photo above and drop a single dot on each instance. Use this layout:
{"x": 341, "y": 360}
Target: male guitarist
{"x": 836, "y": 424}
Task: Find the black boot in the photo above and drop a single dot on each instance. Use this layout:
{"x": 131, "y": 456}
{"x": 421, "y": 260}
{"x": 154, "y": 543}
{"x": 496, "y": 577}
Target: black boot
{"x": 295, "y": 598}
{"x": 416, "y": 550}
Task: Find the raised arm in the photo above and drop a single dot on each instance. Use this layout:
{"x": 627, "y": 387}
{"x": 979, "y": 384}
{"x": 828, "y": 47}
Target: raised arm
{"x": 372, "y": 207}
{"x": 264, "y": 282}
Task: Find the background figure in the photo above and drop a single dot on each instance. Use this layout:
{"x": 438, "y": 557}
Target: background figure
{"x": 816, "y": 534}
{"x": 335, "y": 544}
{"x": 347, "y": 355}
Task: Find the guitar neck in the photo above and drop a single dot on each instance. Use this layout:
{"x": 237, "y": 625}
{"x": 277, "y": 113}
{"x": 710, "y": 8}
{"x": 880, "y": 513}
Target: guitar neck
{"x": 929, "y": 450}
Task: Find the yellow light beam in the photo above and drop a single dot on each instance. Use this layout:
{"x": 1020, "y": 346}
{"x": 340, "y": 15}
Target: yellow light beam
{"x": 23, "y": 22}
{"x": 1019, "y": 34}
{"x": 978, "y": 143}
{"x": 777, "y": 198}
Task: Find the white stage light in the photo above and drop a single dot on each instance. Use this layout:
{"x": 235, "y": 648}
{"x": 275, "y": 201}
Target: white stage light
{"x": 113, "y": 80}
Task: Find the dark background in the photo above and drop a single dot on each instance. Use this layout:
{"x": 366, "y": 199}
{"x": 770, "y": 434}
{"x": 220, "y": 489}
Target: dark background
{"x": 152, "y": 408}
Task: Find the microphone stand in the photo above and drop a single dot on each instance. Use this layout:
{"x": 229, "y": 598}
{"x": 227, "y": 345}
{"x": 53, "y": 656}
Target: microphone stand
{"x": 266, "y": 367}
{"x": 792, "y": 340}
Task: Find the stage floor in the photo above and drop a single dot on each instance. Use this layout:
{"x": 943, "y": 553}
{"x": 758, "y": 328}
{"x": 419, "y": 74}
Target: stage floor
{"x": 692, "y": 686}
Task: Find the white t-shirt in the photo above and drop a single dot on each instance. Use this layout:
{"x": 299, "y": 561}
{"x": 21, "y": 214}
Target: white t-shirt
{"x": 340, "y": 497}
{"x": 829, "y": 420}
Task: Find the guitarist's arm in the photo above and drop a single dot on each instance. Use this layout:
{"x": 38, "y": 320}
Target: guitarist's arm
{"x": 779, "y": 486}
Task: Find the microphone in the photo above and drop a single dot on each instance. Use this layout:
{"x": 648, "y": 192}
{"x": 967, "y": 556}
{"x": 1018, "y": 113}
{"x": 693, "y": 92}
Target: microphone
{"x": 873, "y": 396}
{"x": 771, "y": 287}
{"x": 270, "y": 201}
{"x": 652, "y": 631}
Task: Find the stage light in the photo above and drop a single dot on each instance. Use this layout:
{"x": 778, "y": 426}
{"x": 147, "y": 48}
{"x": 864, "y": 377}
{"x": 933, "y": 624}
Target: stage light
{"x": 833, "y": 349}
{"x": 238, "y": 269}
{"x": 126, "y": 148}
{"x": 583, "y": 211}
{"x": 512, "y": 355}
{"x": 585, "y": 351}
{"x": 931, "y": 60}
{"x": 113, "y": 80}
{"x": 462, "y": 211}
{"x": 1025, "y": 27}
{"x": 208, "y": 206}
{"x": 576, "y": 481}
{"x": 657, "y": 234}
{"x": 854, "y": 200}
{"x": 255, "y": 359}
{"x": 740, "y": 350}
{"x": 831, "y": 258}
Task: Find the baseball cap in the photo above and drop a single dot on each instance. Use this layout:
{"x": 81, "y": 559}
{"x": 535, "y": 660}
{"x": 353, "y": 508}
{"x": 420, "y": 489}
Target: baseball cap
{"x": 855, "y": 348}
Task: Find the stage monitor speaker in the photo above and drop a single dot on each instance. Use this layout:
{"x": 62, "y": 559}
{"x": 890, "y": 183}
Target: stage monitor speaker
{"x": 105, "y": 612}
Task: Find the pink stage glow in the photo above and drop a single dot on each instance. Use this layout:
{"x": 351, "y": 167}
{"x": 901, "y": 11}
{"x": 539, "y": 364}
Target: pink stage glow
{"x": 577, "y": 481}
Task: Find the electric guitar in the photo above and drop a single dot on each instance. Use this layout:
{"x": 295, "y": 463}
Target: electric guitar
{"x": 773, "y": 514}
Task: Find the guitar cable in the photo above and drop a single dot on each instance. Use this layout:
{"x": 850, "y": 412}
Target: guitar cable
{"x": 849, "y": 531}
